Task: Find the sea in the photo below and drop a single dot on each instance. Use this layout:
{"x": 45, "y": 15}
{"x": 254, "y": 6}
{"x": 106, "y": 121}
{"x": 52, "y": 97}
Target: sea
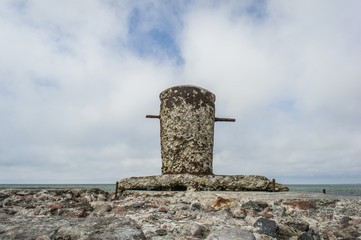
{"x": 334, "y": 189}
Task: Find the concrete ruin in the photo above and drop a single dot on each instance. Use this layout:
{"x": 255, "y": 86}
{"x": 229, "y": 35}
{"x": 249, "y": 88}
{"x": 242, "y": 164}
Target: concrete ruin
{"x": 186, "y": 130}
{"x": 187, "y": 116}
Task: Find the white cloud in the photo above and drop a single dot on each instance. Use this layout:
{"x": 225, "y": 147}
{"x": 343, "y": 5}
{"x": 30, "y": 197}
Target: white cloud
{"x": 297, "y": 56}
{"x": 74, "y": 88}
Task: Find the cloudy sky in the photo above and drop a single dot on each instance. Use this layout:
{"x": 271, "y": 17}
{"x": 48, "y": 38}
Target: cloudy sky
{"x": 78, "y": 77}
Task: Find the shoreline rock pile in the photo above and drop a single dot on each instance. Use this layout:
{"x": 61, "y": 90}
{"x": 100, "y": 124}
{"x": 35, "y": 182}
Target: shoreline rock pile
{"x": 93, "y": 214}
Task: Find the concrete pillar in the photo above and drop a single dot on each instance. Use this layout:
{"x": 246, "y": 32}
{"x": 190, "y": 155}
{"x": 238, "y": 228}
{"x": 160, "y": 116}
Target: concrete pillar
{"x": 187, "y": 130}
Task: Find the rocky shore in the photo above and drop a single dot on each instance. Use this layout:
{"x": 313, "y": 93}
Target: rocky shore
{"x": 94, "y": 214}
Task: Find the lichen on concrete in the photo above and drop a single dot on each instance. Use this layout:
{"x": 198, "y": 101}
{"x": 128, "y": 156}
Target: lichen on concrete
{"x": 189, "y": 182}
{"x": 187, "y": 129}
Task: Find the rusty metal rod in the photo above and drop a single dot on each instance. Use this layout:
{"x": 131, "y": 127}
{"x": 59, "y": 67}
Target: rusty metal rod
{"x": 273, "y": 185}
{"x": 152, "y": 116}
{"x": 224, "y": 119}
{"x": 116, "y": 190}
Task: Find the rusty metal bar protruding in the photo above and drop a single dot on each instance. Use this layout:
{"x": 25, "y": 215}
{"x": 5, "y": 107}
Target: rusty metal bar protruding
{"x": 224, "y": 119}
{"x": 152, "y": 116}
{"x": 116, "y": 190}
{"x": 273, "y": 185}
{"x": 324, "y": 191}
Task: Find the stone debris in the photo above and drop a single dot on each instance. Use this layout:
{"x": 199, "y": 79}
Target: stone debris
{"x": 268, "y": 227}
{"x": 93, "y": 214}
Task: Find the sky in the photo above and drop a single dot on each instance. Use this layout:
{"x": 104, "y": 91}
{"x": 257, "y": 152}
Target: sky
{"x": 78, "y": 77}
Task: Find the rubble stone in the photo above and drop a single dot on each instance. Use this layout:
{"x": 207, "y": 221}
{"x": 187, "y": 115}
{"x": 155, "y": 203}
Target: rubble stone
{"x": 79, "y": 214}
{"x": 268, "y": 227}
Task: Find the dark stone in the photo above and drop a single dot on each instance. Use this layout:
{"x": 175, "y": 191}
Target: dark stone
{"x": 309, "y": 235}
{"x": 161, "y": 232}
{"x": 345, "y": 220}
{"x": 266, "y": 226}
{"x": 196, "y": 206}
{"x": 257, "y": 206}
{"x": 3, "y": 196}
{"x": 7, "y": 203}
{"x": 137, "y": 205}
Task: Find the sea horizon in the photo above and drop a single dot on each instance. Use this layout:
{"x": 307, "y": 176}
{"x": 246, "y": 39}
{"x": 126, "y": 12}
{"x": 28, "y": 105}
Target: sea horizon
{"x": 339, "y": 189}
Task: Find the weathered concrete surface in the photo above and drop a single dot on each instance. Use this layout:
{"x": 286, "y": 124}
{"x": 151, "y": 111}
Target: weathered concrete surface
{"x": 90, "y": 214}
{"x": 189, "y": 182}
{"x": 187, "y": 129}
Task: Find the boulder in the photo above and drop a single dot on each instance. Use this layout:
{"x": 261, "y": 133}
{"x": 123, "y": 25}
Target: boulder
{"x": 267, "y": 227}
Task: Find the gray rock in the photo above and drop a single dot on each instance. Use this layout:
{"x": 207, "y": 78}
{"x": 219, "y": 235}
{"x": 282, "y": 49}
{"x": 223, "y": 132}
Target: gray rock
{"x": 231, "y": 233}
{"x": 19, "y": 227}
{"x": 102, "y": 209}
{"x": 137, "y": 205}
{"x": 309, "y": 235}
{"x": 266, "y": 226}
{"x": 239, "y": 213}
{"x": 288, "y": 227}
{"x": 196, "y": 230}
{"x": 192, "y": 229}
{"x": 64, "y": 228}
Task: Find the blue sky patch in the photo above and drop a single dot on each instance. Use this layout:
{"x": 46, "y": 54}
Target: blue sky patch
{"x": 154, "y": 35}
{"x": 257, "y": 9}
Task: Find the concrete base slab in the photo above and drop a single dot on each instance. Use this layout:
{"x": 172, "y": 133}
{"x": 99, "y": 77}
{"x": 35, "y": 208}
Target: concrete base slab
{"x": 188, "y": 182}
